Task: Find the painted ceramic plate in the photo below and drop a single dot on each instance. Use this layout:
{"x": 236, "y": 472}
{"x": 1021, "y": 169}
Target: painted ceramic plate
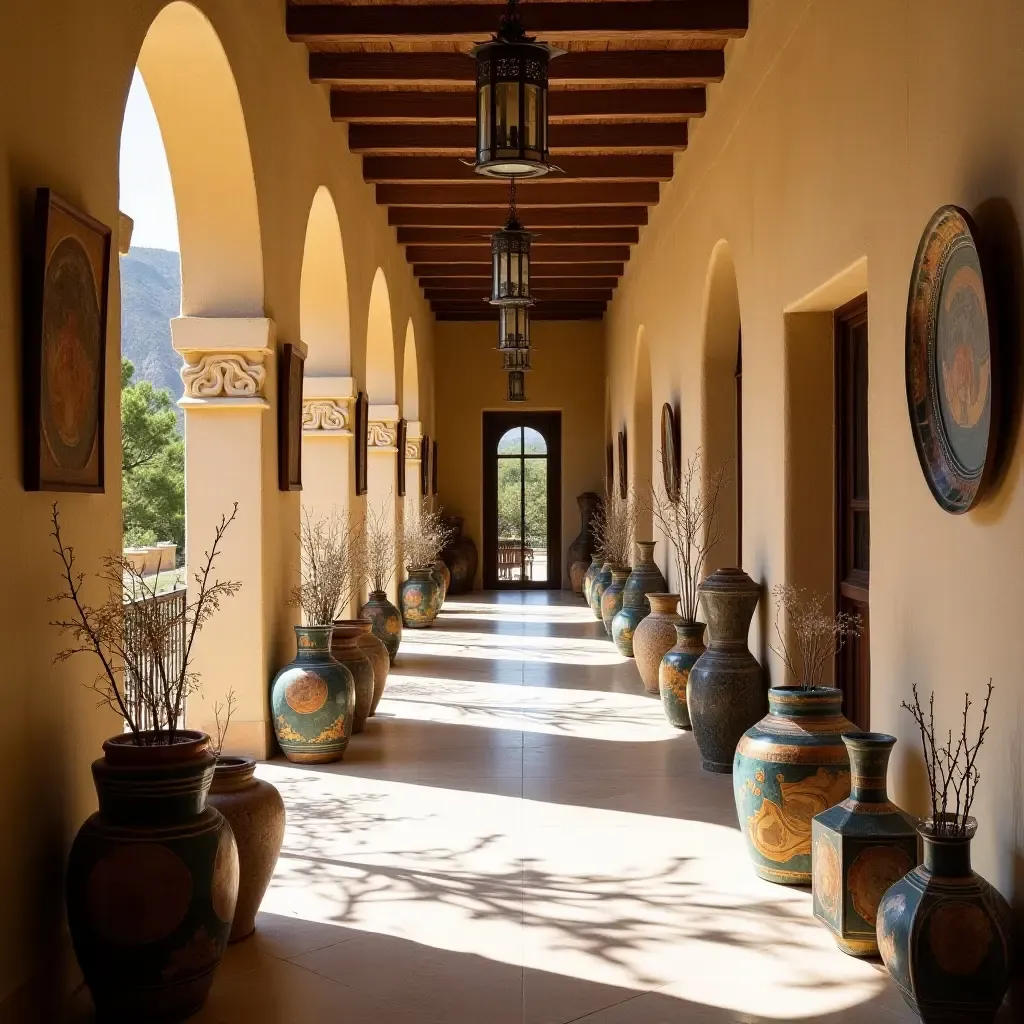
{"x": 951, "y": 372}
{"x": 670, "y": 451}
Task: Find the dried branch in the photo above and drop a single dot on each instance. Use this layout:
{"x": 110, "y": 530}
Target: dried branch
{"x": 425, "y": 537}
{"x": 614, "y": 524}
{"x": 227, "y": 709}
{"x": 381, "y": 548}
{"x": 333, "y": 567}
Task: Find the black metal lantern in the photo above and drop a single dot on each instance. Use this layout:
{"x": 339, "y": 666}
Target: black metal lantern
{"x": 516, "y": 386}
{"x": 512, "y": 102}
{"x": 510, "y": 260}
{"x": 513, "y": 327}
{"x": 516, "y": 359}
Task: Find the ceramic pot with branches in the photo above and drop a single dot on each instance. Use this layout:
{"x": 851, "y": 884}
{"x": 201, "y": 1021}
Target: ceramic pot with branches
{"x": 614, "y": 527}
{"x": 385, "y": 620}
{"x": 425, "y": 537}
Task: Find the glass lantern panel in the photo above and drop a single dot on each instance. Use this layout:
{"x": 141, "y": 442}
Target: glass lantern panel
{"x": 508, "y": 116}
{"x": 483, "y": 120}
{"x": 532, "y": 118}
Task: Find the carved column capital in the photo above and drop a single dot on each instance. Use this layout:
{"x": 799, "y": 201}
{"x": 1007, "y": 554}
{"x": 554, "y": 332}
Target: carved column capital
{"x": 382, "y": 428}
{"x": 413, "y": 441}
{"x": 327, "y": 407}
{"x": 224, "y": 360}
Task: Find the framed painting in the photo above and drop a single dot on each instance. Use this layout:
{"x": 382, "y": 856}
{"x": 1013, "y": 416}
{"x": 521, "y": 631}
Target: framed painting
{"x": 289, "y": 419}
{"x": 951, "y": 366}
{"x": 425, "y": 466}
{"x": 403, "y": 433}
{"x": 609, "y": 468}
{"x": 670, "y": 451}
{"x": 623, "y": 468}
{"x": 362, "y": 432}
{"x": 433, "y": 470}
{"x": 65, "y": 345}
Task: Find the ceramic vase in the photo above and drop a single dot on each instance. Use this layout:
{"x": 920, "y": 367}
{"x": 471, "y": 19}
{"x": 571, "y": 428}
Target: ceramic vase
{"x": 346, "y": 651}
{"x": 644, "y": 579}
{"x": 313, "y": 701}
{"x": 418, "y": 596}
{"x": 588, "y": 578}
{"x": 385, "y": 621}
{"x": 379, "y": 661}
{"x": 582, "y": 548}
{"x": 945, "y": 934}
{"x": 255, "y": 811}
{"x": 576, "y": 573}
{"x": 441, "y": 574}
{"x": 460, "y": 555}
{"x": 674, "y": 671}
{"x": 601, "y": 582}
{"x": 860, "y": 847}
{"x": 654, "y": 637}
{"x": 152, "y": 881}
{"x": 725, "y": 693}
{"x": 788, "y": 767}
{"x": 611, "y": 598}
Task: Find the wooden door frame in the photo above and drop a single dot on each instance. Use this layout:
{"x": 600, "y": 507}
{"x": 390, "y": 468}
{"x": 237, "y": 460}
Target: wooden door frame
{"x": 549, "y": 425}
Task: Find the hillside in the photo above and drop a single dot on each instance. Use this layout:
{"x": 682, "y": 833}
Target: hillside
{"x": 150, "y": 297}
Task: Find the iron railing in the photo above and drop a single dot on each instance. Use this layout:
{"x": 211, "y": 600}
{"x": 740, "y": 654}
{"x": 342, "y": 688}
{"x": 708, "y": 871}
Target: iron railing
{"x": 168, "y": 609}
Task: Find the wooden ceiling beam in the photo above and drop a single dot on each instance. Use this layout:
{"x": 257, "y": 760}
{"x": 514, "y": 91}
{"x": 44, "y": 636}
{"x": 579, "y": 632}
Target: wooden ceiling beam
{"x": 575, "y": 254}
{"x": 554, "y": 22}
{"x": 460, "y": 107}
{"x": 482, "y": 268}
{"x": 534, "y": 218}
{"x": 459, "y": 139}
{"x": 550, "y": 236}
{"x": 427, "y": 169}
{"x": 481, "y": 193}
{"x": 588, "y": 67}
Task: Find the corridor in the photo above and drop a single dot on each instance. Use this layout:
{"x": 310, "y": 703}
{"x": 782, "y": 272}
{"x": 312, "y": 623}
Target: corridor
{"x": 519, "y": 838}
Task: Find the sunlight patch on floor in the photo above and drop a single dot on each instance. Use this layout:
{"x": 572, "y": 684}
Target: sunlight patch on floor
{"x": 448, "y": 643}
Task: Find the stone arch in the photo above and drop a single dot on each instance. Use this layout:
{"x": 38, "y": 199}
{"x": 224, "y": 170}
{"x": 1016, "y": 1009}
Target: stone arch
{"x": 198, "y": 108}
{"x": 641, "y": 438}
{"x": 380, "y": 344}
{"x": 720, "y": 409}
{"x": 323, "y": 292}
{"x": 410, "y": 375}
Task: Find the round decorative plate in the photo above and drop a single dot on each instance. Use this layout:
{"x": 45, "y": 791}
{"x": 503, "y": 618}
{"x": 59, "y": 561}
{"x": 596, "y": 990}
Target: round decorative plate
{"x": 670, "y": 451}
{"x": 951, "y": 372}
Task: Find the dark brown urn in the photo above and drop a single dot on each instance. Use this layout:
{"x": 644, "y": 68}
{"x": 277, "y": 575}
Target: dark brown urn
{"x": 460, "y": 556}
{"x": 582, "y": 548}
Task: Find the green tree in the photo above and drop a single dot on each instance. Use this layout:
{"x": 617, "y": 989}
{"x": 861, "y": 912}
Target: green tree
{"x": 152, "y": 464}
{"x": 510, "y": 496}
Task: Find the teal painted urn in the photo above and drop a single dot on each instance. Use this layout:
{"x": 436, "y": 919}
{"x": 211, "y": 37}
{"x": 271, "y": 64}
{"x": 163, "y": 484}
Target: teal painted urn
{"x": 646, "y": 578}
{"x": 152, "y": 880}
{"x": 611, "y": 598}
{"x": 602, "y": 580}
{"x": 789, "y": 767}
{"x": 385, "y": 621}
{"x": 945, "y": 933}
{"x": 860, "y": 847}
{"x": 674, "y": 671}
{"x": 420, "y": 598}
{"x": 588, "y": 576}
{"x": 313, "y": 701}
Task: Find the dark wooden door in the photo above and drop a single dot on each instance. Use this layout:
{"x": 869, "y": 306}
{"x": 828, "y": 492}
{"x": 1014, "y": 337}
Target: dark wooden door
{"x": 853, "y": 510}
{"x": 522, "y": 500}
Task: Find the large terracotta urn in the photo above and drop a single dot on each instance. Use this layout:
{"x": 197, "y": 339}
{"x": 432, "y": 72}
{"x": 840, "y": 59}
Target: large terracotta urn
{"x": 725, "y": 694}
{"x": 788, "y": 767}
{"x": 654, "y": 637}
{"x": 644, "y": 579}
{"x": 420, "y": 598}
{"x": 313, "y": 701}
{"x": 347, "y": 651}
{"x": 577, "y": 572}
{"x": 582, "y": 548}
{"x": 601, "y": 582}
{"x": 674, "y": 671}
{"x": 255, "y": 811}
{"x": 588, "y": 576}
{"x": 460, "y": 555}
{"x": 385, "y": 621}
{"x": 152, "y": 880}
{"x": 611, "y": 598}
{"x": 379, "y": 660}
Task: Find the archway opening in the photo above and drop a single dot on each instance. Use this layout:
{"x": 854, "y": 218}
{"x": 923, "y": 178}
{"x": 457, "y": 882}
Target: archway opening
{"x": 641, "y": 435}
{"x": 380, "y": 345}
{"x": 323, "y": 292}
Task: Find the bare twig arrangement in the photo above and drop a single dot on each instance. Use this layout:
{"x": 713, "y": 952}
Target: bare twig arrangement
{"x": 227, "y": 709}
{"x": 333, "y": 567}
{"x": 819, "y": 634}
{"x": 381, "y": 549}
{"x": 133, "y": 636}
{"x": 425, "y": 537}
{"x": 614, "y": 524}
{"x": 953, "y": 775}
{"x": 691, "y": 524}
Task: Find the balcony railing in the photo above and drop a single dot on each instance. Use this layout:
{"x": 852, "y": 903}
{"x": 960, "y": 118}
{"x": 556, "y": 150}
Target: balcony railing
{"x": 167, "y": 610}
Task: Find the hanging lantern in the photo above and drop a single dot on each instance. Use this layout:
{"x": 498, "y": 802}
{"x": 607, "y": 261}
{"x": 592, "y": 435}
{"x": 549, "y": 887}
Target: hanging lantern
{"x": 516, "y": 359}
{"x": 510, "y": 260}
{"x": 516, "y": 386}
{"x": 513, "y": 327}
{"x": 512, "y": 102}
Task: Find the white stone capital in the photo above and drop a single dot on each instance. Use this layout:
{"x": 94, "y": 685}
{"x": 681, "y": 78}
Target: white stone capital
{"x": 382, "y": 429}
{"x": 224, "y": 360}
{"x": 327, "y": 407}
{"x": 413, "y": 441}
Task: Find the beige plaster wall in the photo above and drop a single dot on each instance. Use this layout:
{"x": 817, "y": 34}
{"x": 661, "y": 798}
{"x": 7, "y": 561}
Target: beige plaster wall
{"x": 65, "y": 70}
{"x": 838, "y": 130}
{"x": 567, "y": 375}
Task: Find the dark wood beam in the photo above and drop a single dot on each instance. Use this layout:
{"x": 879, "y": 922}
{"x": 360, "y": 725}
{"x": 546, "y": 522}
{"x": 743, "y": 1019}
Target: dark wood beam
{"x": 425, "y": 169}
{"x": 459, "y": 139}
{"x": 530, "y": 194}
{"x": 455, "y": 107}
{"x": 535, "y": 218}
{"x": 481, "y": 268}
{"x": 550, "y": 236}
{"x": 385, "y": 23}
{"x": 576, "y": 254}
{"x": 589, "y": 67}
{"x": 588, "y": 295}
{"x": 481, "y": 284}
{"x": 446, "y": 316}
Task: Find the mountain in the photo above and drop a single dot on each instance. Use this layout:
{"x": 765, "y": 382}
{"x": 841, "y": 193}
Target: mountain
{"x": 150, "y": 297}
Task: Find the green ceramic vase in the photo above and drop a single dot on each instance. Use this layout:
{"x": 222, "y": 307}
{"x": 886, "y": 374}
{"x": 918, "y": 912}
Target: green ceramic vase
{"x": 674, "y": 671}
{"x": 588, "y": 576}
{"x": 598, "y": 586}
{"x": 385, "y": 621}
{"x": 313, "y": 701}
{"x": 419, "y": 597}
{"x": 152, "y": 881}
{"x": 346, "y": 651}
{"x": 646, "y": 578}
{"x": 611, "y": 598}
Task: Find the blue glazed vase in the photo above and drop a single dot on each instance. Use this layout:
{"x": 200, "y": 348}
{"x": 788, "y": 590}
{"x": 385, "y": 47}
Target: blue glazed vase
{"x": 791, "y": 765}
{"x": 588, "y": 576}
{"x": 860, "y": 847}
{"x": 313, "y": 701}
{"x": 611, "y": 598}
{"x": 385, "y": 621}
{"x": 646, "y": 578}
{"x": 602, "y": 580}
{"x": 945, "y": 934}
{"x": 674, "y": 671}
{"x": 420, "y": 598}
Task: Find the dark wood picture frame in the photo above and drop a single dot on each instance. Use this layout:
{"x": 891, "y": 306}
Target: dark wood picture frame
{"x": 425, "y": 466}
{"x": 609, "y": 468}
{"x": 289, "y": 418}
{"x": 362, "y": 432}
{"x": 671, "y": 466}
{"x": 403, "y": 433}
{"x": 66, "y": 282}
{"x": 433, "y": 470}
{"x": 623, "y": 467}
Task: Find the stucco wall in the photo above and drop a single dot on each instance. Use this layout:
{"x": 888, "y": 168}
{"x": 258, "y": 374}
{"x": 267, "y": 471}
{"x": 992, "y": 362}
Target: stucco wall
{"x": 65, "y": 70}
{"x": 567, "y": 375}
{"x": 838, "y": 130}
